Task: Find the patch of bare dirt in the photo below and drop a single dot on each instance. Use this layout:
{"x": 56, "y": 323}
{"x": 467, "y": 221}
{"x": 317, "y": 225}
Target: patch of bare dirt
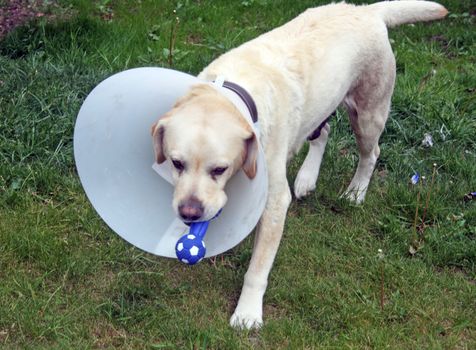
{"x": 14, "y": 13}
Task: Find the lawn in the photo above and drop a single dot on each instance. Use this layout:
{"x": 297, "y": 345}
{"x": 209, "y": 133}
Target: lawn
{"x": 69, "y": 282}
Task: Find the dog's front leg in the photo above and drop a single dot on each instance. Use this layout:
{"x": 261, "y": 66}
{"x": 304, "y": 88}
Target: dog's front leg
{"x": 248, "y": 312}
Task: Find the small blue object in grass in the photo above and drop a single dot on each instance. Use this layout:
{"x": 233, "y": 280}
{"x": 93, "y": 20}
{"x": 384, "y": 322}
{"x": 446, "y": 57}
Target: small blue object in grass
{"x": 415, "y": 178}
{"x": 190, "y": 248}
{"x": 470, "y": 196}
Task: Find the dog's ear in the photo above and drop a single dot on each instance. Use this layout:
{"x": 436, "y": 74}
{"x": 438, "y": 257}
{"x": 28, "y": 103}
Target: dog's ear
{"x": 250, "y": 156}
{"x": 158, "y": 130}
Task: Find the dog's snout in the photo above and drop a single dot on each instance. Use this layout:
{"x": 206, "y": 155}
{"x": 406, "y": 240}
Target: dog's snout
{"x": 191, "y": 209}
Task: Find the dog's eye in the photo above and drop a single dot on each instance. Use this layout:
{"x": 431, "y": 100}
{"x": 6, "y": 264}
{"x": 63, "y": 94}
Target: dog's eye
{"x": 218, "y": 171}
{"x": 178, "y": 165}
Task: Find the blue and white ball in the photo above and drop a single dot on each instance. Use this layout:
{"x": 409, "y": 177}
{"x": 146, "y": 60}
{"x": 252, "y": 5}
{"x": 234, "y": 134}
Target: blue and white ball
{"x": 190, "y": 249}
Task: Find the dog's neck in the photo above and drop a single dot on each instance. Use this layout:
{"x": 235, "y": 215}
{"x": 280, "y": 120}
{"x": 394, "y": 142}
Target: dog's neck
{"x": 241, "y": 99}
{"x": 251, "y": 88}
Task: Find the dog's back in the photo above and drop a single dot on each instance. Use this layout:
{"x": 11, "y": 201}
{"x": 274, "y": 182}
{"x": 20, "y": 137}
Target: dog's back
{"x": 320, "y": 54}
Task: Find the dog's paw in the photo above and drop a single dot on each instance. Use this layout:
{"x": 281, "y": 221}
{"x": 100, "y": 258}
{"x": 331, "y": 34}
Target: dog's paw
{"x": 248, "y": 320}
{"x": 354, "y": 195}
{"x": 305, "y": 182}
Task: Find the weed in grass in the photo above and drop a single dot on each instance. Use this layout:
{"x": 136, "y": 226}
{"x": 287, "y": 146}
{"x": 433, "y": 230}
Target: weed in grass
{"x": 173, "y": 37}
{"x": 381, "y": 257}
{"x": 418, "y": 239}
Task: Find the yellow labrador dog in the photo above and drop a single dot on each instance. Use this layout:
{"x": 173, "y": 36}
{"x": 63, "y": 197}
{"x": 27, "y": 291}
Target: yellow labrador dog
{"x": 297, "y": 75}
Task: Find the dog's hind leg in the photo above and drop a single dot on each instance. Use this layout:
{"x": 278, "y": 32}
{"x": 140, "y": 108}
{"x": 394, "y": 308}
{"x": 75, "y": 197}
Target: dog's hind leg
{"x": 368, "y": 105}
{"x": 307, "y": 176}
{"x": 367, "y": 124}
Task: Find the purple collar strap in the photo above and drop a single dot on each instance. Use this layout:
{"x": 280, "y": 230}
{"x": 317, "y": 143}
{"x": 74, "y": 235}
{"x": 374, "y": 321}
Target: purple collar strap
{"x": 245, "y": 96}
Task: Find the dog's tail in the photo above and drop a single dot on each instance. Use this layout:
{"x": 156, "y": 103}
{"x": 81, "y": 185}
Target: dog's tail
{"x": 395, "y": 13}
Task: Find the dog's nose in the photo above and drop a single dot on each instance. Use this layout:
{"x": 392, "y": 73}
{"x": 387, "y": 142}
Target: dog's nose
{"x": 191, "y": 209}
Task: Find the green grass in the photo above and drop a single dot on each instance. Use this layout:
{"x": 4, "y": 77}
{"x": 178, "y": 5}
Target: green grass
{"x": 67, "y": 281}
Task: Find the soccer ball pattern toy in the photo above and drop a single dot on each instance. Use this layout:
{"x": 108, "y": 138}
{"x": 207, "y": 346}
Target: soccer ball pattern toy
{"x": 190, "y": 248}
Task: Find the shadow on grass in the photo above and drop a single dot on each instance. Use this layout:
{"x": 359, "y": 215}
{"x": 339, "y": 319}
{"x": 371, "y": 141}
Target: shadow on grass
{"x": 40, "y": 36}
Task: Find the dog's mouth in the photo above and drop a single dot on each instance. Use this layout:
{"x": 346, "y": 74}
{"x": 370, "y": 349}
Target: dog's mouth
{"x": 195, "y": 209}
{"x": 203, "y": 219}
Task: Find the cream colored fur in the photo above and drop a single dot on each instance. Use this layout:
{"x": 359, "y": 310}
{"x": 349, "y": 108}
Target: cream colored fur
{"x": 298, "y": 74}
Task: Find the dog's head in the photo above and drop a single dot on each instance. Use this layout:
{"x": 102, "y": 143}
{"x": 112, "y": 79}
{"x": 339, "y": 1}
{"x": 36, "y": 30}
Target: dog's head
{"x": 206, "y": 140}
